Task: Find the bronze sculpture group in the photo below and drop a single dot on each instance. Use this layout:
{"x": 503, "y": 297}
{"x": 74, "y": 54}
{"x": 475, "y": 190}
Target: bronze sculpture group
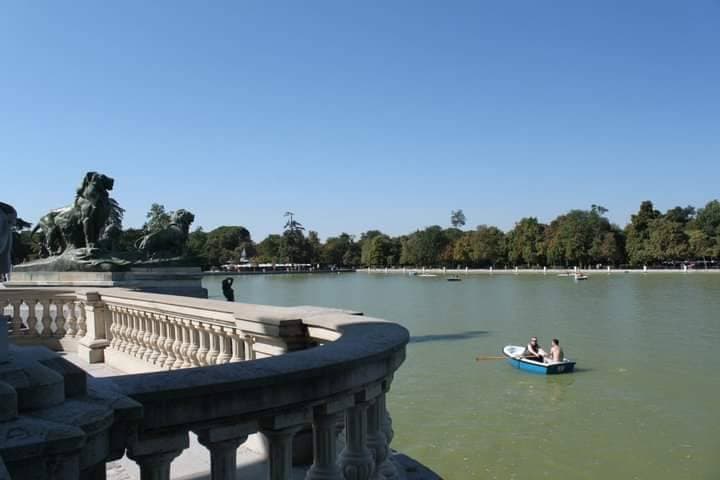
{"x": 84, "y": 235}
{"x": 10, "y": 225}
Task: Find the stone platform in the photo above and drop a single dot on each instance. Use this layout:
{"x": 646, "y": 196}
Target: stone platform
{"x": 186, "y": 281}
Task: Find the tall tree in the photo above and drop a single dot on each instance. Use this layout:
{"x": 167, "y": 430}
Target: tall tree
{"x": 157, "y": 218}
{"x": 638, "y": 234}
{"x": 488, "y": 246}
{"x": 457, "y": 218}
{"x": 526, "y": 244}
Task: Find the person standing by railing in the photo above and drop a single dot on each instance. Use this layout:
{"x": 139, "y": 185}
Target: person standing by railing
{"x": 227, "y": 289}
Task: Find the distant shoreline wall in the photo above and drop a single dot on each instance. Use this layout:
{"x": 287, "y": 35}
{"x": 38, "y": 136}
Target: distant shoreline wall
{"x": 533, "y": 271}
{"x": 279, "y": 272}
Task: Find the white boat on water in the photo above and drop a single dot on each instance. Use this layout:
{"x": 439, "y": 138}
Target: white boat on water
{"x": 580, "y": 276}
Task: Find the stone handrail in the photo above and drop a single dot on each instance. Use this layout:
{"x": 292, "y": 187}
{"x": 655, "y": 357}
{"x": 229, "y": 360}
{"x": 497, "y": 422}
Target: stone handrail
{"x": 322, "y": 365}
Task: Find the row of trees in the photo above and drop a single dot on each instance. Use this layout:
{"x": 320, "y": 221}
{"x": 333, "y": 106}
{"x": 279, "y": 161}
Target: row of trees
{"x": 578, "y": 237}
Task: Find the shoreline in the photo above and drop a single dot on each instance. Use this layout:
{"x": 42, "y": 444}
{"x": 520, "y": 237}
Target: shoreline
{"x": 534, "y": 271}
{"x": 280, "y": 272}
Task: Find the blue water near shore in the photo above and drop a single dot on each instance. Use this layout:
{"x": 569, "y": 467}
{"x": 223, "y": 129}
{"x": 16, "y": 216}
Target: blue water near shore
{"x": 643, "y": 403}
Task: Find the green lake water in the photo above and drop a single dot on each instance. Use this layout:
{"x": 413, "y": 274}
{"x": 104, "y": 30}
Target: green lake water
{"x": 643, "y": 404}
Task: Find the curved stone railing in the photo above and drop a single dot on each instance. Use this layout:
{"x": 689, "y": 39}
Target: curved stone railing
{"x": 208, "y": 374}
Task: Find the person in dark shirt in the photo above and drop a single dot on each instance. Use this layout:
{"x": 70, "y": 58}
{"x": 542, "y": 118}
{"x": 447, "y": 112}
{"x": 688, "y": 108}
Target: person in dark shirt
{"x": 533, "y": 351}
{"x": 227, "y": 289}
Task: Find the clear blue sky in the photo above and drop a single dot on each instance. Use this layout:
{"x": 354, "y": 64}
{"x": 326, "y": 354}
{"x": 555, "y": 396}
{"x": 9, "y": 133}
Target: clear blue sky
{"x": 359, "y": 115}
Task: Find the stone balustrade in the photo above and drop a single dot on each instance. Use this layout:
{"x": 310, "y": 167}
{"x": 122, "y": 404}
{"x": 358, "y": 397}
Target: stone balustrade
{"x": 225, "y": 371}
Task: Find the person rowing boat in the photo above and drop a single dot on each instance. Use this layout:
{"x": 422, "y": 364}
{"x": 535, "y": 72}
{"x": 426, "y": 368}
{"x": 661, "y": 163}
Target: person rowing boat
{"x": 534, "y": 351}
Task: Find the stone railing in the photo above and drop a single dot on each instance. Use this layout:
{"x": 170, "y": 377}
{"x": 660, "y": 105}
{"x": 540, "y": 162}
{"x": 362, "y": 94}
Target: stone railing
{"x": 53, "y": 317}
{"x": 225, "y": 371}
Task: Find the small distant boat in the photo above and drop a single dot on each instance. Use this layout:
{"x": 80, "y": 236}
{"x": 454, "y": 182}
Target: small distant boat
{"x": 514, "y": 356}
{"x": 427, "y": 275}
{"x": 580, "y": 276}
{"x": 454, "y": 279}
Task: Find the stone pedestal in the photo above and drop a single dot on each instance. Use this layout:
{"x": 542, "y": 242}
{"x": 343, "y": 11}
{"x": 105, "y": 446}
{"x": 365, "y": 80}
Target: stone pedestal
{"x": 186, "y": 281}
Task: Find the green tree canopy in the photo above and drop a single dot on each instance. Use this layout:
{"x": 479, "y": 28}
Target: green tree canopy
{"x": 226, "y": 245}
{"x": 526, "y": 242}
{"x": 157, "y": 218}
{"x": 457, "y": 218}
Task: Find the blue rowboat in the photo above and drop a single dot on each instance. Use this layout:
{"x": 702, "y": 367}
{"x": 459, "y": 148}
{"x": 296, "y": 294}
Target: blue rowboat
{"x": 514, "y": 356}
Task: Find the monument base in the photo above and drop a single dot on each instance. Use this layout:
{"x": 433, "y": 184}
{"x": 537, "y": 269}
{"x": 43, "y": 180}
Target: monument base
{"x": 185, "y": 281}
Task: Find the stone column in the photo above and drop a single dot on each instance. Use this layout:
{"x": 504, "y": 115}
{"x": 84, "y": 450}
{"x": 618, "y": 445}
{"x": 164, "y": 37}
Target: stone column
{"x": 154, "y": 454}
{"x": 91, "y": 346}
{"x": 280, "y": 454}
{"x": 378, "y": 440}
{"x": 223, "y": 443}
{"x": 279, "y": 431}
{"x": 356, "y": 460}
{"x": 325, "y": 465}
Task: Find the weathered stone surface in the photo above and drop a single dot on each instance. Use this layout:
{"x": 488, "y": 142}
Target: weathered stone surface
{"x": 185, "y": 281}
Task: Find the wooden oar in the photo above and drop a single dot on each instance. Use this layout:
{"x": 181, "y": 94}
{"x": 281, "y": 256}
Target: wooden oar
{"x": 488, "y": 357}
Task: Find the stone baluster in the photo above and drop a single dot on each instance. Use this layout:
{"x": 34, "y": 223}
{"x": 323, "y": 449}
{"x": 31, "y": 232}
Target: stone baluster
{"x": 386, "y": 468}
{"x": 356, "y": 460}
{"x": 46, "y": 319}
{"x": 32, "y": 317}
{"x": 325, "y": 462}
{"x": 249, "y": 340}
{"x": 280, "y": 431}
{"x": 113, "y": 327}
{"x": 82, "y": 319}
{"x": 140, "y": 348}
{"x": 185, "y": 346}
{"x": 236, "y": 345}
{"x": 130, "y": 332}
{"x": 212, "y": 352}
{"x": 225, "y": 354}
{"x": 59, "y": 318}
{"x": 203, "y": 350}
{"x": 162, "y": 338}
{"x": 122, "y": 329}
{"x": 147, "y": 346}
{"x": 16, "y": 317}
{"x": 119, "y": 332}
{"x": 177, "y": 344}
{"x": 154, "y": 340}
{"x": 222, "y": 442}
{"x": 71, "y": 324}
{"x": 194, "y": 347}
{"x": 169, "y": 342}
{"x": 154, "y": 454}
